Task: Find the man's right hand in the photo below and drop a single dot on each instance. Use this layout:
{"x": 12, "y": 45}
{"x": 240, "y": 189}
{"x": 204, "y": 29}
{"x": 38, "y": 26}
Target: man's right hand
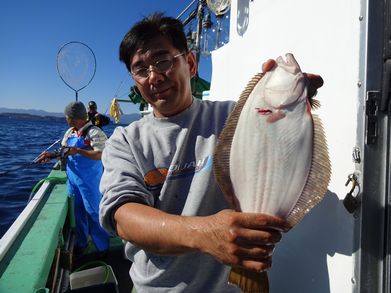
{"x": 233, "y": 238}
{"x": 44, "y": 157}
{"x": 242, "y": 239}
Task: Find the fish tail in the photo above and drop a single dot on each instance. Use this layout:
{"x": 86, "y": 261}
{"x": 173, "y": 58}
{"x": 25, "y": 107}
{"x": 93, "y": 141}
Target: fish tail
{"x": 249, "y": 281}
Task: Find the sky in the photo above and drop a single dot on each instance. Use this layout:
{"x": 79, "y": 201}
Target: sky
{"x": 32, "y": 33}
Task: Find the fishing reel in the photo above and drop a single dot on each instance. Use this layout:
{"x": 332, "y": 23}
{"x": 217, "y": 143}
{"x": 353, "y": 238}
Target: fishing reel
{"x": 61, "y": 153}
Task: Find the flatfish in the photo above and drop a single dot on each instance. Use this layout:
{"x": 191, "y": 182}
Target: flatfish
{"x": 272, "y": 156}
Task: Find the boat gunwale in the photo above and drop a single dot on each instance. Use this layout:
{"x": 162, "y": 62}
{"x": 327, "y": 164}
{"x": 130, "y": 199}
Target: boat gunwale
{"x": 17, "y": 226}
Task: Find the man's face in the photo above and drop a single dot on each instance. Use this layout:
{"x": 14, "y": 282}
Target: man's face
{"x": 168, "y": 92}
{"x": 92, "y": 109}
{"x": 70, "y": 121}
{"x": 76, "y": 123}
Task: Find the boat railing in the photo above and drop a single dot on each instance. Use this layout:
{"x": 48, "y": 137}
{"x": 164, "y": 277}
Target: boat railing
{"x": 15, "y": 229}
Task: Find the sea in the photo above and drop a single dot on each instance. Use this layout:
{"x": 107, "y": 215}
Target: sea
{"x": 21, "y": 141}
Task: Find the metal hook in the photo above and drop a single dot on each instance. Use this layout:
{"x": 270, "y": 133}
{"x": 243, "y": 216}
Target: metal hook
{"x": 351, "y": 201}
{"x": 353, "y": 178}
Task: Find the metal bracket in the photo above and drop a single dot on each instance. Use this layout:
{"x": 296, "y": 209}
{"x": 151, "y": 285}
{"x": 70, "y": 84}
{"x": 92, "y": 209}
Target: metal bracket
{"x": 371, "y": 111}
{"x": 356, "y": 156}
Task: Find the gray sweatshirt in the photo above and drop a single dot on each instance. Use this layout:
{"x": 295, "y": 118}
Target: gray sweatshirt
{"x": 166, "y": 163}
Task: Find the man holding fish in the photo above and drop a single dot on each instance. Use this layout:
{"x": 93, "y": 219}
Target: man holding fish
{"x": 159, "y": 190}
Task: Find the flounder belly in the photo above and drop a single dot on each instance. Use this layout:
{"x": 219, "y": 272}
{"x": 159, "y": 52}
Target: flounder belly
{"x": 270, "y": 162}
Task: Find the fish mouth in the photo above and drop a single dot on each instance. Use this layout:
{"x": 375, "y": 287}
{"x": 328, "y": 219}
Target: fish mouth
{"x": 263, "y": 111}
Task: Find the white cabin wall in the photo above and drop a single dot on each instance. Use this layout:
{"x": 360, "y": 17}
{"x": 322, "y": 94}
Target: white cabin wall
{"x": 324, "y": 36}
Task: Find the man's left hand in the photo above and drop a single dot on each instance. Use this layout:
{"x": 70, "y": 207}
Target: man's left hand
{"x": 72, "y": 151}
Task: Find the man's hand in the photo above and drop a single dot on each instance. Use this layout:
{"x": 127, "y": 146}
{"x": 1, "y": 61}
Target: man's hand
{"x": 233, "y": 238}
{"x": 44, "y": 157}
{"x": 71, "y": 151}
{"x": 242, "y": 239}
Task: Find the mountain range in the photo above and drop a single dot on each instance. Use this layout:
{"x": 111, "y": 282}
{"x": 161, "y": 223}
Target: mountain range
{"x": 44, "y": 115}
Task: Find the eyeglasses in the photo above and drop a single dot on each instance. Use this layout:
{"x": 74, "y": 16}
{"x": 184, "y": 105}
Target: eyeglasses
{"x": 161, "y": 66}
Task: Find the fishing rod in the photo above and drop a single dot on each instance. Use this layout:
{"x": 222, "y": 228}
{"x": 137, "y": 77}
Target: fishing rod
{"x": 35, "y": 161}
{"x": 48, "y": 148}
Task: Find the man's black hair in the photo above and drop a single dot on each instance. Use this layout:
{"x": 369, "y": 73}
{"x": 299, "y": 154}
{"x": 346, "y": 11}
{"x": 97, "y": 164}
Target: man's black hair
{"x": 149, "y": 28}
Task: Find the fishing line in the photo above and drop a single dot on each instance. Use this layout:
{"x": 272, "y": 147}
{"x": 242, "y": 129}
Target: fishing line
{"x": 116, "y": 92}
{"x": 33, "y": 162}
{"x": 48, "y": 148}
{"x": 124, "y": 94}
{"x": 121, "y": 83}
{"x": 16, "y": 169}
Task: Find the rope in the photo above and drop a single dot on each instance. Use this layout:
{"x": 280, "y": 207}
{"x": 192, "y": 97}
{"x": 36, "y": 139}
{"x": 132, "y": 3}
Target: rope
{"x": 116, "y": 92}
{"x": 40, "y": 182}
{"x": 124, "y": 94}
{"x": 120, "y": 85}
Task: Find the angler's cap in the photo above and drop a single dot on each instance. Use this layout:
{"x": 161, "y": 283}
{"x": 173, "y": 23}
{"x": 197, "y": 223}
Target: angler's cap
{"x": 76, "y": 110}
{"x": 92, "y": 104}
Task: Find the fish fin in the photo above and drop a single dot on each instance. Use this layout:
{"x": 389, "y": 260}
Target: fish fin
{"x": 249, "y": 281}
{"x": 318, "y": 178}
{"x": 315, "y": 104}
{"x": 221, "y": 157}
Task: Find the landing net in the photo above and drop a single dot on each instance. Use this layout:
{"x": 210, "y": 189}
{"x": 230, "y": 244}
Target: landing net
{"x": 76, "y": 65}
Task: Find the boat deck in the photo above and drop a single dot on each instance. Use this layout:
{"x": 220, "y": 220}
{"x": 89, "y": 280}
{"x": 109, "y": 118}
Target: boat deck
{"x": 116, "y": 259}
{"x": 36, "y": 253}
